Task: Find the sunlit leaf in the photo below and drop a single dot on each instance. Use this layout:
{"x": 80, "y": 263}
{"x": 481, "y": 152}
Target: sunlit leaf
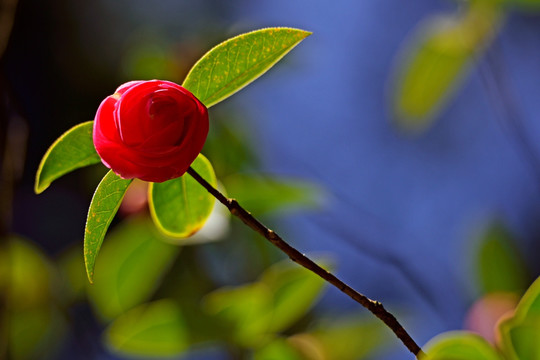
{"x": 437, "y": 59}
{"x": 131, "y": 264}
{"x": 104, "y": 205}
{"x": 156, "y": 329}
{"x": 262, "y": 195}
{"x": 459, "y": 345}
{"x": 277, "y": 349}
{"x": 181, "y": 206}
{"x": 73, "y": 150}
{"x": 233, "y": 64}
{"x": 294, "y": 289}
{"x": 245, "y": 310}
{"x": 501, "y": 268}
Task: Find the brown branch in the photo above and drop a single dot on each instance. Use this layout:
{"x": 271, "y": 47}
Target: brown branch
{"x": 374, "y": 306}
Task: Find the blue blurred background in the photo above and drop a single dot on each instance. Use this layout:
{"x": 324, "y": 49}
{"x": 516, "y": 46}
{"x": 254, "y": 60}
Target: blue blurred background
{"x": 401, "y": 213}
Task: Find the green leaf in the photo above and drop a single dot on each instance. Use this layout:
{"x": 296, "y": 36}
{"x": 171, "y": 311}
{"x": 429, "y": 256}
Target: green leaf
{"x": 282, "y": 295}
{"x": 349, "y": 338}
{"x": 28, "y": 285}
{"x": 181, "y": 206}
{"x": 277, "y": 349}
{"x": 153, "y": 330}
{"x": 501, "y": 267}
{"x": 529, "y": 304}
{"x": 295, "y": 290}
{"x": 104, "y": 205}
{"x": 437, "y": 60}
{"x": 520, "y": 333}
{"x": 524, "y": 338}
{"x": 132, "y": 262}
{"x": 235, "y": 63}
{"x": 459, "y": 345}
{"x": 264, "y": 195}
{"x": 525, "y": 5}
{"x": 245, "y": 310}
{"x": 73, "y": 150}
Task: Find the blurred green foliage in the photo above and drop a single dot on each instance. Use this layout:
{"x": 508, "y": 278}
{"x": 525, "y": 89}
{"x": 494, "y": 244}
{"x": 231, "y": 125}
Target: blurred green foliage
{"x": 437, "y": 58}
{"x": 502, "y": 274}
{"x": 501, "y": 267}
{"x": 438, "y": 55}
{"x": 32, "y": 321}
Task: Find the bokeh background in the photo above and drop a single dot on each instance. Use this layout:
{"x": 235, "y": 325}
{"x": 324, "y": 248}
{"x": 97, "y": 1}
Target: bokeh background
{"x": 415, "y": 202}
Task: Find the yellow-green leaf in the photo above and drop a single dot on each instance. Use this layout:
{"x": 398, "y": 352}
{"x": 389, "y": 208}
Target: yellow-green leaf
{"x": 181, "y": 206}
{"x": 73, "y": 150}
{"x": 436, "y": 61}
{"x": 246, "y": 312}
{"x": 131, "y": 264}
{"x": 263, "y": 195}
{"x": 519, "y": 334}
{"x": 235, "y": 63}
{"x": 278, "y": 348}
{"x": 295, "y": 290}
{"x": 459, "y": 345}
{"x": 104, "y": 205}
{"x": 157, "y": 329}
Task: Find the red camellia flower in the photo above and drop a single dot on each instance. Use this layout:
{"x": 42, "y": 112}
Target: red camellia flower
{"x": 150, "y": 130}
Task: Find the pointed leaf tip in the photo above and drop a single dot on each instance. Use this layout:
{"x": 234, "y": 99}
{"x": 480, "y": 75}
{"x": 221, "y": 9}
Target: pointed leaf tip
{"x": 104, "y": 205}
{"x": 73, "y": 150}
{"x": 236, "y": 62}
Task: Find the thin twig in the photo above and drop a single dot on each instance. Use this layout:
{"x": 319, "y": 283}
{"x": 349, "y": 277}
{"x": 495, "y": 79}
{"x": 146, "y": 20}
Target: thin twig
{"x": 374, "y": 306}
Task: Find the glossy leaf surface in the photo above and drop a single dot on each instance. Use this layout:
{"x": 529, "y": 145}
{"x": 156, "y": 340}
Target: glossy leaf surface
{"x": 104, "y": 205}
{"x": 459, "y": 345}
{"x": 181, "y": 206}
{"x": 235, "y": 63}
{"x": 154, "y": 330}
{"x": 73, "y": 150}
{"x": 131, "y": 264}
